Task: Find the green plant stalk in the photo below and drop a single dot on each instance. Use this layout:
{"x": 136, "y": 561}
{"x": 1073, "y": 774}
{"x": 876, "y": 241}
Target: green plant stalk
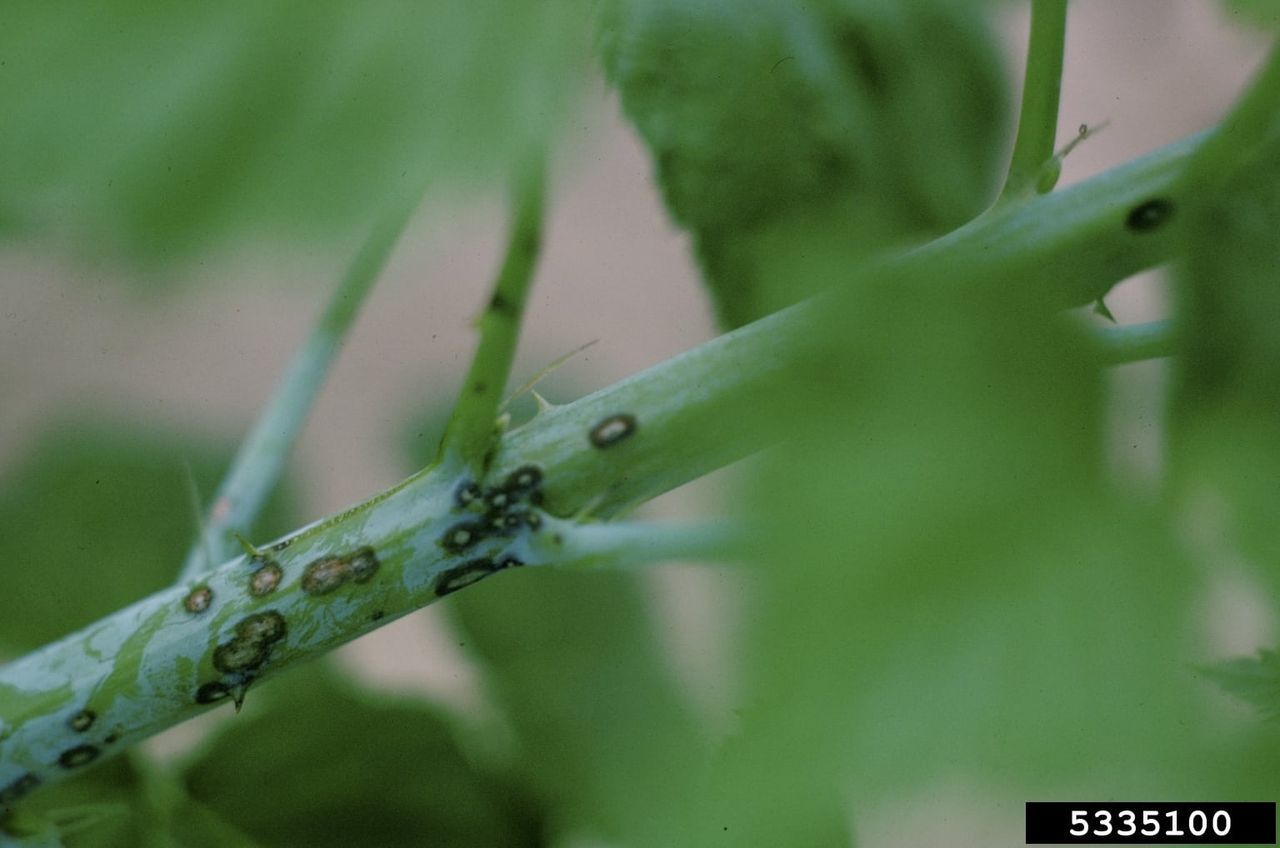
{"x": 260, "y": 460}
{"x": 1041, "y": 90}
{"x": 1136, "y": 342}
{"x": 139, "y": 670}
{"x": 470, "y": 434}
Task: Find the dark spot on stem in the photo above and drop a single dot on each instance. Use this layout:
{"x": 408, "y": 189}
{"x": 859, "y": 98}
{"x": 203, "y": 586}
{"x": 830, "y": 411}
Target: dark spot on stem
{"x": 523, "y": 479}
{"x": 479, "y": 388}
{"x": 324, "y": 575}
{"x": 81, "y": 755}
{"x": 467, "y": 493}
{"x": 609, "y": 431}
{"x": 461, "y": 536}
{"x": 377, "y": 615}
{"x": 265, "y": 579}
{"x": 212, "y": 693}
{"x": 499, "y": 303}
{"x": 198, "y": 600}
{"x": 1150, "y": 215}
{"x": 464, "y": 575}
{"x": 264, "y": 627}
{"x": 364, "y": 564}
{"x": 82, "y": 721}
{"x": 18, "y": 788}
{"x": 239, "y": 656}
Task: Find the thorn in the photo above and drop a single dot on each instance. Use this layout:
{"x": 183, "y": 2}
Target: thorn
{"x": 247, "y": 546}
{"x": 544, "y": 405}
{"x": 537, "y": 378}
{"x": 238, "y": 694}
{"x": 1100, "y": 308}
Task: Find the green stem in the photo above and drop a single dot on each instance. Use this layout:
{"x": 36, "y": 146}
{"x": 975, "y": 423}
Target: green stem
{"x": 471, "y": 433}
{"x": 165, "y": 658}
{"x": 627, "y": 544}
{"x": 261, "y": 458}
{"x": 1042, "y": 87}
{"x": 1136, "y": 342}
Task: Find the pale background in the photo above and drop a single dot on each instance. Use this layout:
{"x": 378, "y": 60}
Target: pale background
{"x": 614, "y": 270}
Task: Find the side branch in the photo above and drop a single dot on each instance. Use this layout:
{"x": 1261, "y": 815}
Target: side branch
{"x": 1041, "y": 90}
{"x": 470, "y": 434}
{"x": 261, "y": 458}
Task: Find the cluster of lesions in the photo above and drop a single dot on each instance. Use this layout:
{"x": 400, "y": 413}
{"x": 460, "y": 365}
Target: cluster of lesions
{"x": 241, "y": 658}
{"x": 503, "y": 512}
{"x": 90, "y": 741}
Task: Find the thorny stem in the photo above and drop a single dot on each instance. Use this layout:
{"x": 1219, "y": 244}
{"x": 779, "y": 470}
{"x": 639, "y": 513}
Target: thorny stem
{"x": 169, "y": 656}
{"x": 470, "y": 434}
{"x": 1042, "y": 87}
{"x": 261, "y": 458}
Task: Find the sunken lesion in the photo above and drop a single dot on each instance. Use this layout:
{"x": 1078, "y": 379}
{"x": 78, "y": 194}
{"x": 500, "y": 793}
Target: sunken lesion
{"x": 266, "y": 578}
{"x": 498, "y": 512}
{"x": 82, "y": 720}
{"x": 20, "y": 788}
{"x": 198, "y": 600}
{"x": 329, "y": 573}
{"x": 613, "y": 429}
{"x": 240, "y": 659}
{"x": 213, "y": 692}
{"x": 1150, "y": 215}
{"x": 80, "y": 755}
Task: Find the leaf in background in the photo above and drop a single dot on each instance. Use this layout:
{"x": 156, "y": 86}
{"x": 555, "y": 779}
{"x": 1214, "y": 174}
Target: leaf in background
{"x": 100, "y": 808}
{"x": 159, "y": 129}
{"x": 324, "y": 764}
{"x": 947, "y": 586}
{"x": 1254, "y": 679}
{"x": 1226, "y": 430}
{"x": 571, "y": 657}
{"x": 790, "y": 127}
{"x": 96, "y": 517}
{"x": 1264, "y": 14}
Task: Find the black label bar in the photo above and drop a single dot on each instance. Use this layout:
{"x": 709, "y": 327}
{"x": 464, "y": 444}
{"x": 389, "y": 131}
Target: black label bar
{"x": 1151, "y": 823}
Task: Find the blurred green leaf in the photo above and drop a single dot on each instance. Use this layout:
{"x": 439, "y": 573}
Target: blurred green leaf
{"x": 605, "y": 737}
{"x": 1254, "y": 679}
{"x": 100, "y": 808}
{"x": 785, "y": 126}
{"x": 159, "y": 129}
{"x": 321, "y": 763}
{"x": 1226, "y": 433}
{"x": 947, "y": 585}
{"x": 1264, "y": 14}
{"x": 98, "y": 516}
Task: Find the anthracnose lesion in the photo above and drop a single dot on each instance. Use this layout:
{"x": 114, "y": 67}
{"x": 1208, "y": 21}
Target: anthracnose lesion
{"x": 213, "y": 692}
{"x": 472, "y": 571}
{"x": 19, "y": 788}
{"x": 82, "y": 720}
{"x": 330, "y": 572}
{"x": 1150, "y": 215}
{"x": 80, "y": 755}
{"x": 499, "y": 510}
{"x": 613, "y": 429}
